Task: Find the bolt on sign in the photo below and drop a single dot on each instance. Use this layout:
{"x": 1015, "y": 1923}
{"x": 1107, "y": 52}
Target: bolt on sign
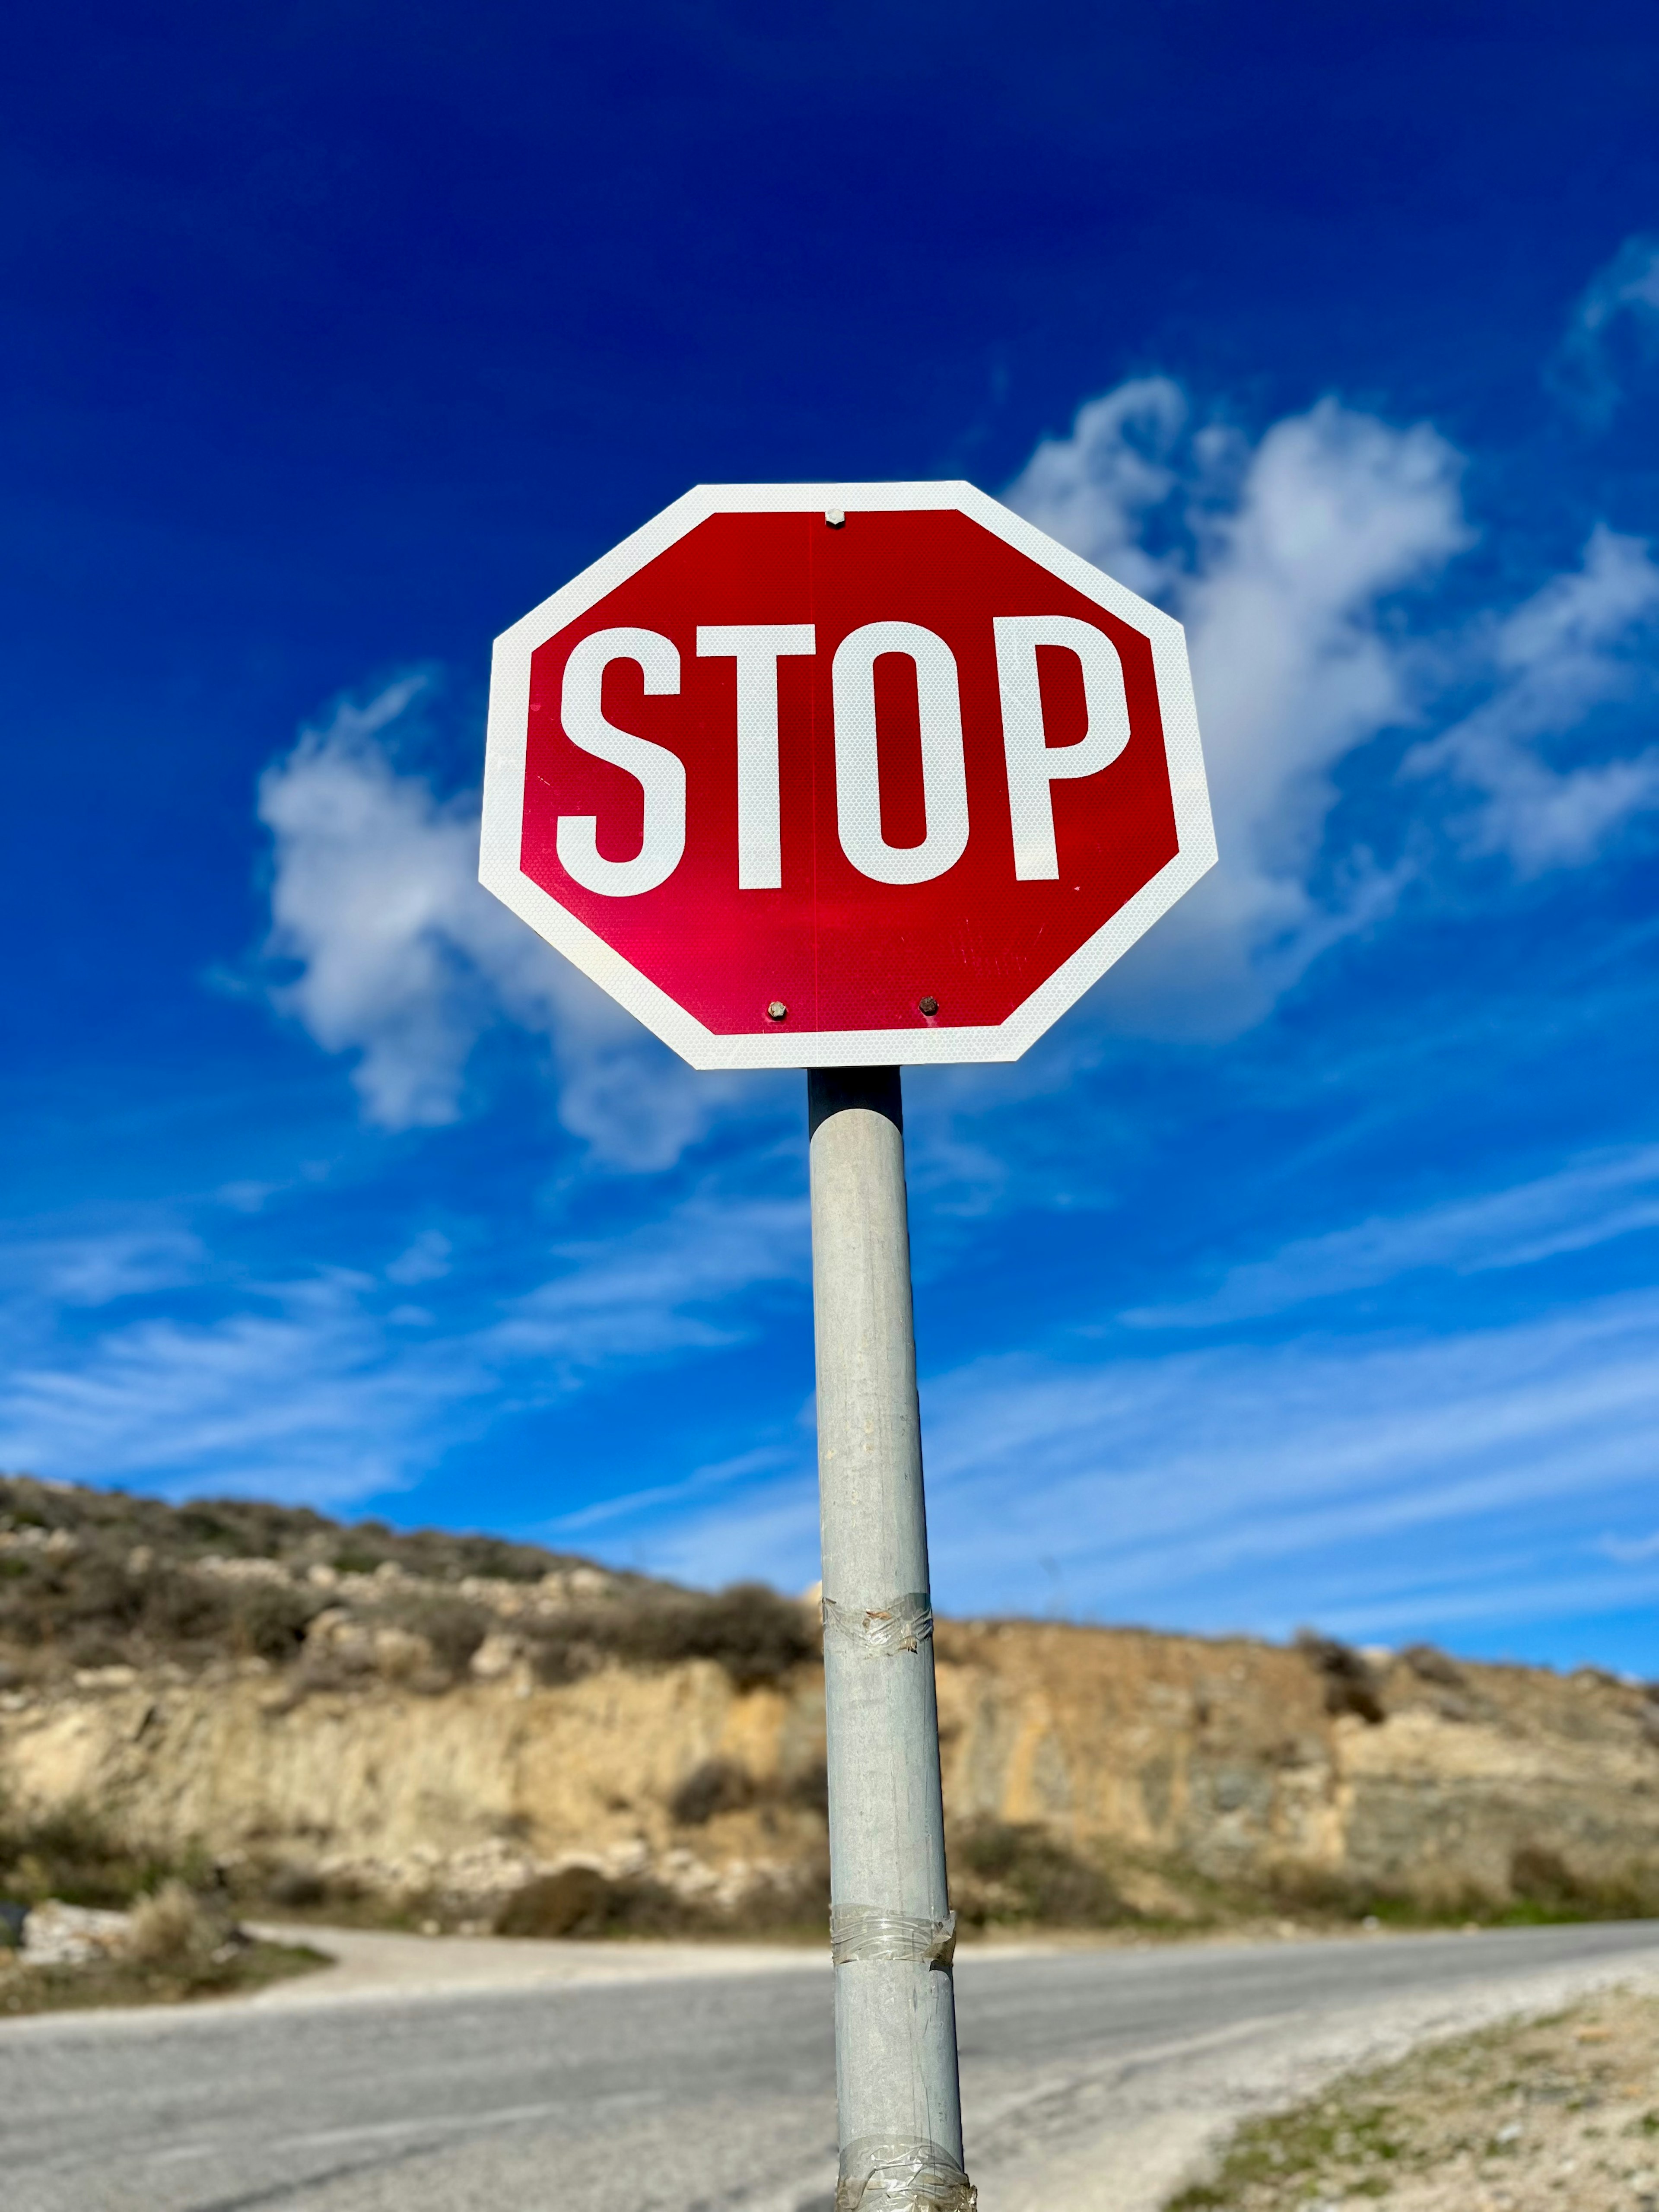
{"x": 838, "y": 774}
{"x": 848, "y": 777}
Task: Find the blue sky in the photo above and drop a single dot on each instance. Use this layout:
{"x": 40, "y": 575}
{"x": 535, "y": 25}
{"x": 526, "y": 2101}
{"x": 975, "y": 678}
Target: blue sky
{"x": 1306, "y": 1271}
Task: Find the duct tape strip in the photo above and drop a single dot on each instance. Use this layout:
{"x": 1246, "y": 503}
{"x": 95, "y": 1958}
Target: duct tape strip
{"x": 867, "y": 1931}
{"x": 904, "y": 1624}
{"x": 883, "y": 2173}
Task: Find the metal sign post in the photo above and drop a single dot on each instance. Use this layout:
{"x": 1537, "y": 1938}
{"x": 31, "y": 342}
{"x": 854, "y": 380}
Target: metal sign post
{"x": 853, "y": 777}
{"x": 891, "y": 1929}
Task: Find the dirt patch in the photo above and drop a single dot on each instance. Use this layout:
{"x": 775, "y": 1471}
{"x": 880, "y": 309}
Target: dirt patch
{"x": 1533, "y": 2117}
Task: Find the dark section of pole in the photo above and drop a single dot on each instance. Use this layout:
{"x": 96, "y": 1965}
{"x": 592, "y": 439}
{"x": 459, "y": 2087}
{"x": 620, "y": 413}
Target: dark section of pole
{"x": 833, "y": 1090}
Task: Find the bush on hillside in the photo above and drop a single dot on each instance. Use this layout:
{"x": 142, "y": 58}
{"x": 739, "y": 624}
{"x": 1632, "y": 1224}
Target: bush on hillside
{"x": 75, "y": 1854}
{"x": 755, "y": 1634}
{"x": 1006, "y": 1872}
{"x": 1351, "y": 1684}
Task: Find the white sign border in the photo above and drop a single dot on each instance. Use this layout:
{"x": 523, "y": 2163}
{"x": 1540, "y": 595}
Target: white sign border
{"x": 504, "y": 777}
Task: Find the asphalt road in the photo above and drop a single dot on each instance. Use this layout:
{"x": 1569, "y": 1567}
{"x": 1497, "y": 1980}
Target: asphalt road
{"x": 707, "y": 2092}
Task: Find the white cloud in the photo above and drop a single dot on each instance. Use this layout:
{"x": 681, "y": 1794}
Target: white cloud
{"x": 1591, "y": 1202}
{"x": 1281, "y": 561}
{"x": 368, "y": 881}
{"x": 403, "y": 960}
{"x": 1574, "y": 646}
{"x": 1098, "y": 490}
{"x": 1619, "y": 303}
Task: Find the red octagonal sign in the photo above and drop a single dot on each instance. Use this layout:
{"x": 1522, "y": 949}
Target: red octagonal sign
{"x": 819, "y": 775}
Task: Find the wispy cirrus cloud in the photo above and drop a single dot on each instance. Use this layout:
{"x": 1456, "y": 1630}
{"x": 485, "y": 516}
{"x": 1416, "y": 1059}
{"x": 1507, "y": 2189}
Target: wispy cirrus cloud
{"x": 1589, "y": 1202}
{"x": 327, "y": 1387}
{"x": 1418, "y": 1484}
{"x": 630, "y": 1508}
{"x": 1630, "y": 1551}
{"x": 665, "y": 1286}
{"x": 300, "y": 1391}
{"x": 98, "y": 1267}
{"x": 425, "y": 1259}
{"x": 1415, "y": 1474}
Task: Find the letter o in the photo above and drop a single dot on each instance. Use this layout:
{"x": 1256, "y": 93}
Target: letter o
{"x": 858, "y": 757}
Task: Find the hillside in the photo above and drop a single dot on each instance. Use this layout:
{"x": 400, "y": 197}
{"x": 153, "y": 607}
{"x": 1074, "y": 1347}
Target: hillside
{"x": 94, "y": 1582}
{"x": 434, "y": 1727}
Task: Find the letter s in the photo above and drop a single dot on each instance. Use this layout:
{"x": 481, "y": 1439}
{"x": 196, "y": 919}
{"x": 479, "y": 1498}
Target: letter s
{"x": 660, "y": 773}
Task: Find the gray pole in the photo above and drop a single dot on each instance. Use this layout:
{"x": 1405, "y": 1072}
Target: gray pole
{"x": 892, "y": 1930}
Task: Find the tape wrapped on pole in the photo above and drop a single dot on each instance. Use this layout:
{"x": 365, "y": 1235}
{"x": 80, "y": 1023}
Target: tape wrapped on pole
{"x": 904, "y": 1624}
{"x": 882, "y": 2174}
{"x": 858, "y": 1932}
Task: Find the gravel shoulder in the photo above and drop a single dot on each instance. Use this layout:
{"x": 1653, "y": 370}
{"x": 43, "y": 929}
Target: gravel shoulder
{"x": 1167, "y": 2120}
{"x": 1524, "y": 2117}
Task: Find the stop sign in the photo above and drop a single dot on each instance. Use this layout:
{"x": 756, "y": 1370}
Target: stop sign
{"x": 821, "y": 775}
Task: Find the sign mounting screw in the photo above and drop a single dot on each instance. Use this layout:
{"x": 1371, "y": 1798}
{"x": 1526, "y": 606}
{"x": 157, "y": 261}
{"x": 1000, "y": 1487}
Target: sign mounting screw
{"x": 835, "y": 518}
{"x": 928, "y": 1006}
{"x": 777, "y": 1010}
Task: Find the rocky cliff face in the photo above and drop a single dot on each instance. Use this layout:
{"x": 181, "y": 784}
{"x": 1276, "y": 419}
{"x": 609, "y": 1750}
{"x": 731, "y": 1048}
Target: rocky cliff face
{"x": 557, "y": 1748}
{"x": 1307, "y": 1771}
{"x": 1181, "y": 1772}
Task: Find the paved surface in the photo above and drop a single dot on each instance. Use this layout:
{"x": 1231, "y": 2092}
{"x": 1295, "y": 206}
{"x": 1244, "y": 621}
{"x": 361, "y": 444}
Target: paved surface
{"x": 1091, "y": 2076}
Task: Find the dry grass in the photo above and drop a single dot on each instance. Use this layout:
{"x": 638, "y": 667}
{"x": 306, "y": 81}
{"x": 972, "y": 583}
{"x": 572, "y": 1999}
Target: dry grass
{"x": 174, "y": 1927}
